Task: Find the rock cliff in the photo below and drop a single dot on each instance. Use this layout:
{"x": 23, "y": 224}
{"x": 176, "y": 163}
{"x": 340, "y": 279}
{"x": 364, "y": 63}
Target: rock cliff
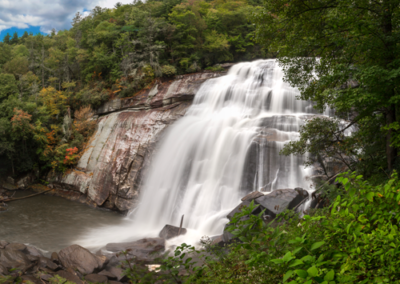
{"x": 111, "y": 170}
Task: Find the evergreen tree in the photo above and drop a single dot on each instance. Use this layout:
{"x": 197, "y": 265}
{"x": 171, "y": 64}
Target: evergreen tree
{"x": 24, "y": 36}
{"x": 6, "y": 39}
{"x": 14, "y": 39}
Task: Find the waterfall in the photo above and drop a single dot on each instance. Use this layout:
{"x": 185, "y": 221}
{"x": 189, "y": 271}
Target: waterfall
{"x": 226, "y": 146}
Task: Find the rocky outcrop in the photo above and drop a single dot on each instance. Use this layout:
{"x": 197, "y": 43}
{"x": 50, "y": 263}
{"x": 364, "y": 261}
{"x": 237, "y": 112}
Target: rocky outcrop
{"x": 111, "y": 170}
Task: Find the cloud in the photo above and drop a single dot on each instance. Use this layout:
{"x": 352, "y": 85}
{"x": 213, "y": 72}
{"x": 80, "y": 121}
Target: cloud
{"x": 47, "y": 14}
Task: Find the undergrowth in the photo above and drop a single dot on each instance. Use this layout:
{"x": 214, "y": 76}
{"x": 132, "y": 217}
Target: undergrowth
{"x": 355, "y": 240}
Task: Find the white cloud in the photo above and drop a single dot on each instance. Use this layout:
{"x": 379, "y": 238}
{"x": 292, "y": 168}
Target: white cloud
{"x": 47, "y": 14}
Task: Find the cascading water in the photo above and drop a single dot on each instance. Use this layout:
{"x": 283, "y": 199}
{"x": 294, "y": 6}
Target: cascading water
{"x": 226, "y": 145}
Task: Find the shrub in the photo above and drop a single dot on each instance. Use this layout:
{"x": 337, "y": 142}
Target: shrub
{"x": 168, "y": 71}
{"x": 356, "y": 240}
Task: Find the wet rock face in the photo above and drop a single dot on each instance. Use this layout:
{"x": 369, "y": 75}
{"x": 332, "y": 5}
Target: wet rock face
{"x": 112, "y": 169}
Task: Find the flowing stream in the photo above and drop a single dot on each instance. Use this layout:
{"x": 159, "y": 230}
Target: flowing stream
{"x": 226, "y": 146}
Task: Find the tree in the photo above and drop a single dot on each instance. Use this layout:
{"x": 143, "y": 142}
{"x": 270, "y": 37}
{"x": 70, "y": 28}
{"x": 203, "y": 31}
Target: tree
{"x": 24, "y": 37}
{"x": 14, "y": 39}
{"x": 342, "y": 54}
{"x": 7, "y": 38}
{"x": 8, "y": 86}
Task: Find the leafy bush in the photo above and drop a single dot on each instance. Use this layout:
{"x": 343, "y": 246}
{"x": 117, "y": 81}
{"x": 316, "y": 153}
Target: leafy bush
{"x": 356, "y": 240}
{"x": 168, "y": 71}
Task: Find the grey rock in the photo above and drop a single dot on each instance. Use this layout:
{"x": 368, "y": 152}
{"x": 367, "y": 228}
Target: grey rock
{"x": 47, "y": 263}
{"x": 46, "y": 277}
{"x": 217, "y": 240}
{"x": 70, "y": 277}
{"x": 239, "y": 208}
{"x": 14, "y": 259}
{"x": 281, "y": 199}
{"x": 96, "y": 278}
{"x": 3, "y": 244}
{"x": 108, "y": 274}
{"x": 54, "y": 257}
{"x": 227, "y": 236}
{"x": 33, "y": 251}
{"x": 16, "y": 246}
{"x": 169, "y": 232}
{"x": 77, "y": 257}
{"x": 252, "y": 195}
{"x": 117, "y": 272}
{"x": 143, "y": 250}
{"x": 3, "y": 270}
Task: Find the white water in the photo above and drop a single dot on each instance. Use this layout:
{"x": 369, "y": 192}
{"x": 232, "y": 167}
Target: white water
{"x": 226, "y": 146}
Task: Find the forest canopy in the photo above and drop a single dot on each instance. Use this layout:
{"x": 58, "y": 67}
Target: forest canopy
{"x": 50, "y": 84}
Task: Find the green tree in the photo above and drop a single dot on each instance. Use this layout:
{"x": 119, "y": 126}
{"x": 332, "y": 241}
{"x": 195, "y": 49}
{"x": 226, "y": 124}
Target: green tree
{"x": 14, "y": 39}
{"x": 24, "y": 37}
{"x": 7, "y": 38}
{"x": 342, "y": 54}
{"x": 8, "y": 86}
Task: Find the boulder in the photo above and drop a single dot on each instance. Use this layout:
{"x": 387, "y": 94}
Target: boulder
{"x": 45, "y": 262}
{"x": 54, "y": 257}
{"x": 252, "y": 195}
{"x": 33, "y": 251}
{"x": 169, "y": 232}
{"x": 143, "y": 250}
{"x": 227, "y": 236}
{"x": 77, "y": 257}
{"x": 46, "y": 277}
{"x": 108, "y": 274}
{"x": 96, "y": 278}
{"x": 3, "y": 244}
{"x": 70, "y": 277}
{"x": 217, "y": 240}
{"x": 281, "y": 199}
{"x": 16, "y": 246}
{"x": 118, "y": 272}
{"x": 3, "y": 270}
{"x": 10, "y": 258}
{"x": 239, "y": 208}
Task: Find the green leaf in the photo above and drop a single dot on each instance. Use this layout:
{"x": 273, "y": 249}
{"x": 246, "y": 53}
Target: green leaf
{"x": 288, "y": 257}
{"x": 302, "y": 273}
{"x": 287, "y": 275}
{"x": 370, "y": 196}
{"x": 317, "y": 245}
{"x": 312, "y": 271}
{"x": 329, "y": 276}
{"x": 296, "y": 262}
{"x": 277, "y": 261}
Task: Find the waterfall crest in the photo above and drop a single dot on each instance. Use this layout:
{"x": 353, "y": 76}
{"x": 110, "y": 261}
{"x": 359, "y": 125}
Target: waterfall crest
{"x": 225, "y": 146}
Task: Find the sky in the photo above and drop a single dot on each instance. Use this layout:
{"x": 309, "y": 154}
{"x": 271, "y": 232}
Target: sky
{"x": 43, "y": 15}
